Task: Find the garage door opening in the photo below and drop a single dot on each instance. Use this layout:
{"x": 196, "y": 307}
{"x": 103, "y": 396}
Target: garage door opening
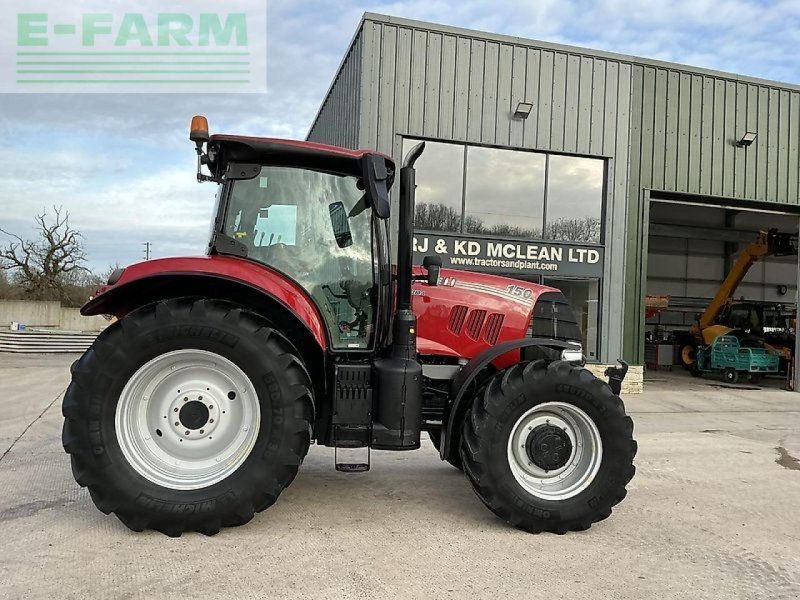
{"x": 721, "y": 296}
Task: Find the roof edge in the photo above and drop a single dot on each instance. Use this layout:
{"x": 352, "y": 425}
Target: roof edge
{"x": 589, "y": 52}
{"x": 336, "y": 73}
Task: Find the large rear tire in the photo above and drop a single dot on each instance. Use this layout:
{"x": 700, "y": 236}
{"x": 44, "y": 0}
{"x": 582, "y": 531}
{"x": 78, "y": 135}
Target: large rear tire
{"x": 548, "y": 447}
{"x": 187, "y": 415}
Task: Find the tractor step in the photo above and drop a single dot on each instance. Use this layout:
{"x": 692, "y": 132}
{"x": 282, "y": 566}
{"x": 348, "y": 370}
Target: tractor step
{"x": 352, "y": 460}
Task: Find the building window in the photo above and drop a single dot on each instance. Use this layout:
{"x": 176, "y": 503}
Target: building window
{"x": 504, "y": 194}
{"x": 440, "y": 178}
{"x": 574, "y": 198}
{"x": 584, "y": 298}
{"x": 508, "y": 193}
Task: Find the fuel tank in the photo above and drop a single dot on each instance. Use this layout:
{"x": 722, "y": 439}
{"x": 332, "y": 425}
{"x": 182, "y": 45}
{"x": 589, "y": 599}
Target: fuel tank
{"x": 469, "y": 312}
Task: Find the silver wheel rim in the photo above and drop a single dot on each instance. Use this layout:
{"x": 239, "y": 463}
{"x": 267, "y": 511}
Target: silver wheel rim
{"x": 584, "y": 460}
{"x": 187, "y": 419}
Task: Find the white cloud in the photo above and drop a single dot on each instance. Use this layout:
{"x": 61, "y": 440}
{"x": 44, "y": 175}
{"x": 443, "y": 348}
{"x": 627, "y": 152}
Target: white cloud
{"x": 167, "y": 207}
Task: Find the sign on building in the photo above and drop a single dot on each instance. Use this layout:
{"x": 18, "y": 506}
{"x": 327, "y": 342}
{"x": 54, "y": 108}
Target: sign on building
{"x": 518, "y": 257}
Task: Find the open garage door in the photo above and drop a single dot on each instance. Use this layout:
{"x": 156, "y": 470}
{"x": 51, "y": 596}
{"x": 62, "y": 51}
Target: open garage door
{"x": 692, "y": 248}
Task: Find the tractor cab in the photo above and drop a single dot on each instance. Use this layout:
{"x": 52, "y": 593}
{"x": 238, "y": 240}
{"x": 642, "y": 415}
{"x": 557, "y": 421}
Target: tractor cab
{"x": 315, "y": 228}
{"x": 313, "y": 213}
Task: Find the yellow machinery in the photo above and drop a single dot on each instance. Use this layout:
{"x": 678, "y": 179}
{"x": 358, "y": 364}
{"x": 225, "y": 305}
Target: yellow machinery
{"x": 710, "y": 325}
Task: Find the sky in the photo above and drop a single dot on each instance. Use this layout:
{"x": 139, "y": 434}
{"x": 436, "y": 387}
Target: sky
{"x": 124, "y": 169}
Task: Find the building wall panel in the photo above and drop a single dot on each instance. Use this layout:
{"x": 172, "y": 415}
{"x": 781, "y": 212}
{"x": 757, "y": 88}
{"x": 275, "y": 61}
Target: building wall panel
{"x": 339, "y": 117}
{"x": 519, "y": 89}
{"x": 503, "y": 107}
{"x": 433, "y": 88}
{"x": 447, "y": 77}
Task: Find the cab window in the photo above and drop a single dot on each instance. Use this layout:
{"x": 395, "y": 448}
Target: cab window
{"x": 315, "y": 228}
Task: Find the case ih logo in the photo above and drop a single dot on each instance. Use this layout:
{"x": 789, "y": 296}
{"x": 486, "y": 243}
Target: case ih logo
{"x": 158, "y": 47}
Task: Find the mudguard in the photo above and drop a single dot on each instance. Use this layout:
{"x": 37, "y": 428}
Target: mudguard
{"x": 153, "y": 280}
{"x": 470, "y": 372}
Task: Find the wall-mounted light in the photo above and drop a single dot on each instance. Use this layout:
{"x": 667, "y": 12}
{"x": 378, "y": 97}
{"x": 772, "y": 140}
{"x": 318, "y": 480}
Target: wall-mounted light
{"x": 523, "y": 110}
{"x": 747, "y": 139}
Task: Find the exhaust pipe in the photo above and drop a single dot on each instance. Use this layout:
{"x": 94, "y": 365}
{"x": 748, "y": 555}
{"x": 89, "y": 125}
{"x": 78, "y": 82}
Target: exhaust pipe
{"x": 405, "y": 236}
{"x": 398, "y": 377}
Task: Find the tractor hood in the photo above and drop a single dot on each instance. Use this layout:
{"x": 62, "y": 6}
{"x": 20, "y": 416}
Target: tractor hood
{"x": 469, "y": 312}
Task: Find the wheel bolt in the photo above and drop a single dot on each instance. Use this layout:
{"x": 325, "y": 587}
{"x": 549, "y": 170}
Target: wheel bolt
{"x": 177, "y": 423}
{"x": 199, "y": 397}
{"x": 175, "y": 409}
{"x": 211, "y": 420}
{"x": 210, "y": 407}
{"x": 187, "y": 432}
{"x": 201, "y": 431}
{"x": 185, "y": 399}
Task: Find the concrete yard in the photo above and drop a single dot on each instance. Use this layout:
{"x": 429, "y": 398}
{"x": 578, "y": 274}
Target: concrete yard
{"x": 714, "y": 512}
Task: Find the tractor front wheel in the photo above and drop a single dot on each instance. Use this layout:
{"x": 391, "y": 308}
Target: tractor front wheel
{"x": 436, "y": 440}
{"x": 548, "y": 447}
{"x": 187, "y": 415}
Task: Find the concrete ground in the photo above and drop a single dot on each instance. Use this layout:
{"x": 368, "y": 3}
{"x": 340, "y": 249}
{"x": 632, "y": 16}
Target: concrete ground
{"x": 712, "y": 513}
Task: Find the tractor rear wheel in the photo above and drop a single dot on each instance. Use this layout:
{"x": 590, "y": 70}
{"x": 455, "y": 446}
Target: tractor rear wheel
{"x": 187, "y": 415}
{"x": 436, "y": 440}
{"x": 548, "y": 447}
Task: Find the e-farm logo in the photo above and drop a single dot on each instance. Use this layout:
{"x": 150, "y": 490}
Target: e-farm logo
{"x": 159, "y": 46}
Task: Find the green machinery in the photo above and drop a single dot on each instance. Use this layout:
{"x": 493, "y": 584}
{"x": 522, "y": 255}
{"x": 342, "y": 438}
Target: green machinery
{"x": 725, "y": 355}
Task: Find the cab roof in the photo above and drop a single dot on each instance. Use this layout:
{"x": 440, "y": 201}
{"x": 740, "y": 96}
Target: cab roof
{"x": 290, "y": 153}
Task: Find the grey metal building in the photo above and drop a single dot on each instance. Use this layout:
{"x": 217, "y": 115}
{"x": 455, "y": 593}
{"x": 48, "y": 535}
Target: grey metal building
{"x": 550, "y": 163}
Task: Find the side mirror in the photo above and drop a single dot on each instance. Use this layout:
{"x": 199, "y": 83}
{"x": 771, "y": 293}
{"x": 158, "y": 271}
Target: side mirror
{"x": 340, "y": 225}
{"x": 376, "y": 179}
{"x": 433, "y": 264}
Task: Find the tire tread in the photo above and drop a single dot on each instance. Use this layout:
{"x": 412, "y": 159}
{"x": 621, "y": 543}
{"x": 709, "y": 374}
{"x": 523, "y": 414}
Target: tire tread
{"x": 481, "y": 420}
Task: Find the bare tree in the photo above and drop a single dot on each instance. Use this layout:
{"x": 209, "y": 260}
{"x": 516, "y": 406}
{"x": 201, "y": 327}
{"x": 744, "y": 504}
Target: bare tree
{"x": 437, "y": 217}
{"x": 506, "y": 230}
{"x": 48, "y": 265}
{"x": 585, "y": 229}
{"x": 440, "y": 217}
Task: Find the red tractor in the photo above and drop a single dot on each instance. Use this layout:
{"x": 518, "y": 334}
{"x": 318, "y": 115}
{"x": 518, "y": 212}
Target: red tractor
{"x": 195, "y": 409}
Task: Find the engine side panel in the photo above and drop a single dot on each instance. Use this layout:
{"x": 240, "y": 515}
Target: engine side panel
{"x": 469, "y": 312}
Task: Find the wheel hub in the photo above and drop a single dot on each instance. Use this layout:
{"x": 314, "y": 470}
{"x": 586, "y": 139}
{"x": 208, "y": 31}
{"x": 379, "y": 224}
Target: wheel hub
{"x": 554, "y": 450}
{"x": 193, "y": 415}
{"x": 549, "y": 447}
